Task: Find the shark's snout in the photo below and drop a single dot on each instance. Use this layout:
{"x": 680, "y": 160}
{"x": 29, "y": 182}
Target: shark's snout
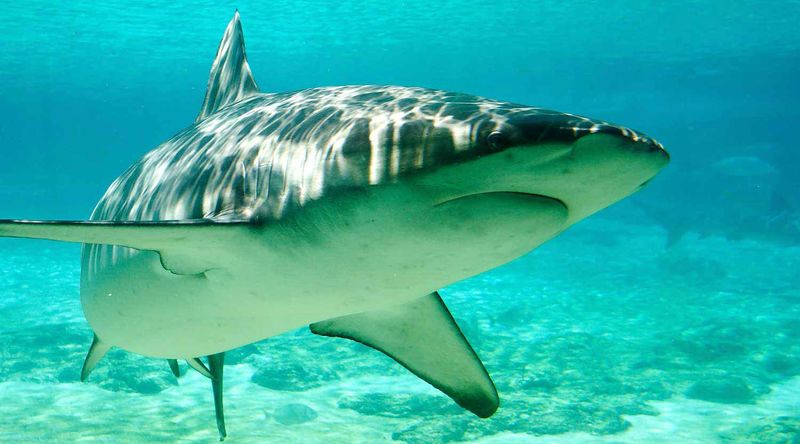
{"x": 539, "y": 127}
{"x": 639, "y": 143}
{"x": 587, "y": 164}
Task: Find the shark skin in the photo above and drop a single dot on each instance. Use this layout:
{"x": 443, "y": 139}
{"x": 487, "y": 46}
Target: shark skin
{"x": 344, "y": 208}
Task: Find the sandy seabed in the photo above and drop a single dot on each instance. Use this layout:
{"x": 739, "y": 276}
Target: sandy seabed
{"x": 602, "y": 335}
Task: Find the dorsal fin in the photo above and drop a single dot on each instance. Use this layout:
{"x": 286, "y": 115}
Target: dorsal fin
{"x": 231, "y": 79}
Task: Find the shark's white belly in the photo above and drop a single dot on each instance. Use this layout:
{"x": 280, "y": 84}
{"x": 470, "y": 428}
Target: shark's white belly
{"x": 334, "y": 260}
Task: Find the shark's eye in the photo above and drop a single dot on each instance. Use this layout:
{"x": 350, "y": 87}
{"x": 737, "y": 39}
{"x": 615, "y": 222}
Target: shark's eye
{"x": 497, "y": 140}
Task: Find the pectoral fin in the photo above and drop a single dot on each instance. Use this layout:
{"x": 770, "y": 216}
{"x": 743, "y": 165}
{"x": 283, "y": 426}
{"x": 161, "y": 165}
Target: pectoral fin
{"x": 423, "y": 337}
{"x": 183, "y": 245}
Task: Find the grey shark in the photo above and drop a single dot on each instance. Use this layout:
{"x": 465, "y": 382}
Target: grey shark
{"x": 343, "y": 208}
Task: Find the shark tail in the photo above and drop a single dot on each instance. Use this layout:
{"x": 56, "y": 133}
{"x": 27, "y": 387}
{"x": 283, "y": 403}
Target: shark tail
{"x": 230, "y": 81}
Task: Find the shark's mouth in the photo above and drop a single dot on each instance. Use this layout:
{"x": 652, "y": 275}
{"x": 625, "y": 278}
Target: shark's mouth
{"x": 504, "y": 194}
{"x": 498, "y": 226}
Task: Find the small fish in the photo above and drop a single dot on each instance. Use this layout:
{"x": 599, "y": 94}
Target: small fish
{"x": 744, "y": 166}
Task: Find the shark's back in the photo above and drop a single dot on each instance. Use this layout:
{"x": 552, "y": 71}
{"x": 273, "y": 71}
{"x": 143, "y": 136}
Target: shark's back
{"x": 271, "y": 153}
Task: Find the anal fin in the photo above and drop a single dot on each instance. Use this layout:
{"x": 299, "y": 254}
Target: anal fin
{"x": 423, "y": 337}
{"x": 201, "y": 368}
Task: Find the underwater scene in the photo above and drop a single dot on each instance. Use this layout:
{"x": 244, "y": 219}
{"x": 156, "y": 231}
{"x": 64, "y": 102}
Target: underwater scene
{"x": 362, "y": 154}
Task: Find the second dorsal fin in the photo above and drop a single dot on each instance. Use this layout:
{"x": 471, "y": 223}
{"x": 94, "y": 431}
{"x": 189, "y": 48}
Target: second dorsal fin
{"x": 231, "y": 79}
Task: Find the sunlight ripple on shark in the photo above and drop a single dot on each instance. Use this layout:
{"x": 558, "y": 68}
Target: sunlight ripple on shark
{"x": 343, "y": 208}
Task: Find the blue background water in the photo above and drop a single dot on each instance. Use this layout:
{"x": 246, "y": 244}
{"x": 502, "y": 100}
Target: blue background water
{"x": 587, "y": 335}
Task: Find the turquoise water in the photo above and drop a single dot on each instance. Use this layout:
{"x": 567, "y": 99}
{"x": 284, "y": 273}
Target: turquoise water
{"x": 673, "y": 316}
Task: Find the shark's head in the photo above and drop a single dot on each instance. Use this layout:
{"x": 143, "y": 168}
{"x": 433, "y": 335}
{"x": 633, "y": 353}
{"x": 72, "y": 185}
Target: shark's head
{"x": 585, "y": 164}
{"x": 465, "y": 184}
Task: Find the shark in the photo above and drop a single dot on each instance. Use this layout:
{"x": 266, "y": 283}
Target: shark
{"x": 342, "y": 208}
